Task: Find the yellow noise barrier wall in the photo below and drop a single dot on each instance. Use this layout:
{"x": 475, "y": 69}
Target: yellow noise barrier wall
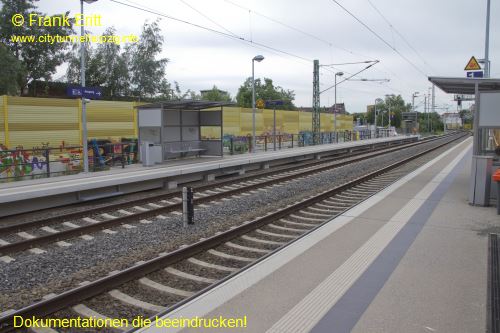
{"x": 238, "y": 122}
{"x": 32, "y": 122}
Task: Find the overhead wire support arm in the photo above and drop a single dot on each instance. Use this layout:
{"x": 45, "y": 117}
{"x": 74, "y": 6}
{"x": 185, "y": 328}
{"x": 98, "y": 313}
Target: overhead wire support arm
{"x": 351, "y": 63}
{"x": 353, "y": 75}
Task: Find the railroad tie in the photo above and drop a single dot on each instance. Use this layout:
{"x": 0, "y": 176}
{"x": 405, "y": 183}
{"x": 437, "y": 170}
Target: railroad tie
{"x": 127, "y": 299}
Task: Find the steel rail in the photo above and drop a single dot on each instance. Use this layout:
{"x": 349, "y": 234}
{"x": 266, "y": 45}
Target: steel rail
{"x": 121, "y": 205}
{"x": 78, "y": 294}
{"x": 153, "y": 212}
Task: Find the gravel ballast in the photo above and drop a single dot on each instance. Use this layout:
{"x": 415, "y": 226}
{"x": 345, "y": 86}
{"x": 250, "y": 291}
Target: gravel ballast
{"x": 32, "y": 276}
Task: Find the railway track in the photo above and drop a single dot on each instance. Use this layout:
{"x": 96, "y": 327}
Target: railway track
{"x": 169, "y": 280}
{"x": 58, "y": 230}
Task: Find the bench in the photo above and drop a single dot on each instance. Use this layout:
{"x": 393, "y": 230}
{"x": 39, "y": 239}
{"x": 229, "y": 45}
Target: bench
{"x": 185, "y": 152}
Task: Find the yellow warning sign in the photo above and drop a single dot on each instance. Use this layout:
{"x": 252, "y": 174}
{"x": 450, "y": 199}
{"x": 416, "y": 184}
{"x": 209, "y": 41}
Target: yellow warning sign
{"x": 472, "y": 65}
{"x": 260, "y": 103}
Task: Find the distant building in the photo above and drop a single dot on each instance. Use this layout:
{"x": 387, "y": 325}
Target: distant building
{"x": 451, "y": 120}
{"x": 204, "y": 92}
{"x": 340, "y": 109}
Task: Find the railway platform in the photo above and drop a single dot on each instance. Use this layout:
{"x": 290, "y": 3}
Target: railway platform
{"x": 412, "y": 258}
{"x": 30, "y": 195}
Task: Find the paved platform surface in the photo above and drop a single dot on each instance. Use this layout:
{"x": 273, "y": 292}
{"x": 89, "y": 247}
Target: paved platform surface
{"x": 28, "y": 189}
{"x": 412, "y": 258}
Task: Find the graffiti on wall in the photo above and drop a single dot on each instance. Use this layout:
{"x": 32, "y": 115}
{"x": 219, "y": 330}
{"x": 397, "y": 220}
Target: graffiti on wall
{"x": 21, "y": 163}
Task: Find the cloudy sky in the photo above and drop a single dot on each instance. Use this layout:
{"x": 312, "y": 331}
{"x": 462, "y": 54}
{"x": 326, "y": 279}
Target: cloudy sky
{"x": 433, "y": 38}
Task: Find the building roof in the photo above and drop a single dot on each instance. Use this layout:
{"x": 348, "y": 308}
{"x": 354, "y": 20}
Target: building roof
{"x": 185, "y": 104}
{"x": 460, "y": 85}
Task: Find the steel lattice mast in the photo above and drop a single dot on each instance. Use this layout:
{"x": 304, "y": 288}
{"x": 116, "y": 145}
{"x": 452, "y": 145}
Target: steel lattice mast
{"x": 316, "y": 125}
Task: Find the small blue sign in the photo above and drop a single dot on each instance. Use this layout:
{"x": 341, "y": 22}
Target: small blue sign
{"x": 274, "y": 102}
{"x": 475, "y": 74}
{"x": 87, "y": 92}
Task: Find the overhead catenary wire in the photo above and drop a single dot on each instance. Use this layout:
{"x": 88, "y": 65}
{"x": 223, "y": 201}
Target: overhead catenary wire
{"x": 208, "y": 18}
{"x": 286, "y": 25}
{"x": 347, "y": 78}
{"x": 221, "y": 33}
{"x": 393, "y": 28}
{"x": 380, "y": 38}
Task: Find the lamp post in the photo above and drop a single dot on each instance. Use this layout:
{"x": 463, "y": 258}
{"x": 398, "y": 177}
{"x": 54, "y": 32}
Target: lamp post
{"x": 335, "y": 105}
{"x": 377, "y": 100}
{"x": 389, "y": 111}
{"x": 487, "y": 43}
{"x": 415, "y": 94}
{"x": 257, "y": 58}
{"x": 82, "y": 83}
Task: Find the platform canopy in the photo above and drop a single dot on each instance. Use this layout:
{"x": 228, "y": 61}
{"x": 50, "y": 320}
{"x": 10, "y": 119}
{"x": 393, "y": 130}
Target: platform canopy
{"x": 466, "y": 86}
{"x": 176, "y": 128}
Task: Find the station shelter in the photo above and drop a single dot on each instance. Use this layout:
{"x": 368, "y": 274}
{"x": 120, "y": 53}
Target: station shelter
{"x": 172, "y": 129}
{"x": 486, "y": 146}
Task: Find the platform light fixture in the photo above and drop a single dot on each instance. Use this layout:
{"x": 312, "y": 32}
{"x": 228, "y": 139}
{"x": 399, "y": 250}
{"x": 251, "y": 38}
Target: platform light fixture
{"x": 389, "y": 109}
{"x": 257, "y": 58}
{"x": 377, "y": 100}
{"x": 82, "y": 83}
{"x": 335, "y": 104}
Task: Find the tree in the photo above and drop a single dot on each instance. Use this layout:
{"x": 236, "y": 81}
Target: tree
{"x": 10, "y": 70}
{"x": 397, "y": 106}
{"x": 266, "y": 91}
{"x": 105, "y": 66}
{"x": 216, "y": 95}
{"x": 39, "y": 60}
{"x": 147, "y": 72}
{"x": 430, "y": 122}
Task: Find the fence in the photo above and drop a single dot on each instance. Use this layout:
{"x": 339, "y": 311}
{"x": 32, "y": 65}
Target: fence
{"x": 22, "y": 164}
{"x": 243, "y": 144}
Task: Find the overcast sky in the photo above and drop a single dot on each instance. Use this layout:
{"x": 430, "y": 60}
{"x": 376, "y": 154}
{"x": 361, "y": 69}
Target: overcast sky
{"x": 445, "y": 34}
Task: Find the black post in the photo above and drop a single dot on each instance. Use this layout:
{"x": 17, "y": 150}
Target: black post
{"x": 188, "y": 205}
{"x": 47, "y": 160}
{"x": 231, "y": 145}
{"x": 265, "y": 142}
{"x": 123, "y": 155}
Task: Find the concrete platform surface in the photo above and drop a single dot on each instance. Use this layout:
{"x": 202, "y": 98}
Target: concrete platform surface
{"x": 412, "y": 258}
{"x": 29, "y": 189}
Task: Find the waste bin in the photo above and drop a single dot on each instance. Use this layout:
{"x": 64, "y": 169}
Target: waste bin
{"x": 150, "y": 153}
{"x": 496, "y": 179}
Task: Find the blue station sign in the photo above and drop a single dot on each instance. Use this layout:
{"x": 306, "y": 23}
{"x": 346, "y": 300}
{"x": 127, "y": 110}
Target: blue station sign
{"x": 87, "y": 92}
{"x": 475, "y": 74}
{"x": 274, "y": 102}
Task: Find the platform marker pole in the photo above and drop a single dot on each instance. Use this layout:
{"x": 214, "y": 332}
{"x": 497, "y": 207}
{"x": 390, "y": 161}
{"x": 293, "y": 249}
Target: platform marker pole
{"x": 187, "y": 206}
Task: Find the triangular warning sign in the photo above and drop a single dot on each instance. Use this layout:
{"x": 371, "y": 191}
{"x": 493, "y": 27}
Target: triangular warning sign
{"x": 472, "y": 65}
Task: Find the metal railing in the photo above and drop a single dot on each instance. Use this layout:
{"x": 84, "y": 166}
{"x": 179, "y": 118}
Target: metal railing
{"x": 243, "y": 144}
{"x": 44, "y": 162}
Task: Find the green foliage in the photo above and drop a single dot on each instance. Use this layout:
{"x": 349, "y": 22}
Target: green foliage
{"x": 266, "y": 91}
{"x": 466, "y": 116}
{"x": 430, "y": 122}
{"x": 125, "y": 72}
{"x": 105, "y": 66}
{"x": 216, "y": 95}
{"x": 39, "y": 60}
{"x": 146, "y": 71}
{"x": 10, "y": 71}
{"x": 396, "y": 104}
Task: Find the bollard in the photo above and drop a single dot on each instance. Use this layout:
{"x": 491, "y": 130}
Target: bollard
{"x": 47, "y": 161}
{"x": 187, "y": 206}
